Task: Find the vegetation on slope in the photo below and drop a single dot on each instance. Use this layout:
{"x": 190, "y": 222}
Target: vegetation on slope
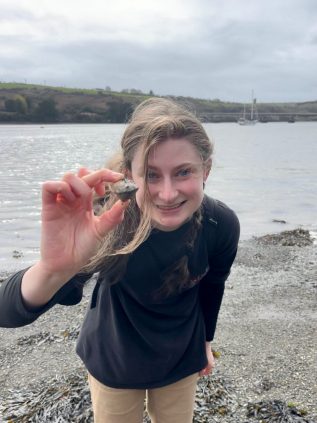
{"x": 29, "y": 103}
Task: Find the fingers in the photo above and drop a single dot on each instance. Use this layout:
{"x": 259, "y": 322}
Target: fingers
{"x": 99, "y": 187}
{"x": 78, "y": 186}
{"x": 207, "y": 370}
{"x": 211, "y": 362}
{"x": 101, "y": 176}
{"x": 75, "y": 186}
{"x": 204, "y": 372}
{"x": 52, "y": 190}
{"x": 66, "y": 191}
{"x": 111, "y": 218}
{"x": 98, "y": 178}
{"x": 83, "y": 171}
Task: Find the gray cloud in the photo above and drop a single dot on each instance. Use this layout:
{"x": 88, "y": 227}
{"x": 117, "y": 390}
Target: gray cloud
{"x": 271, "y": 49}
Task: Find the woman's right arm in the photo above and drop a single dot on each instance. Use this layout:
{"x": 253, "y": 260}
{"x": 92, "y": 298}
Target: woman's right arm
{"x": 70, "y": 232}
{"x": 15, "y": 313}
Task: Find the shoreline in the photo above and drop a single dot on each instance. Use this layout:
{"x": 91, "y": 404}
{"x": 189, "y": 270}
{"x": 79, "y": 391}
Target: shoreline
{"x": 266, "y": 340}
{"x": 312, "y": 234}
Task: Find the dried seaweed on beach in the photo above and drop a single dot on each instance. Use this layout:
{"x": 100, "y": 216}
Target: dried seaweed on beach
{"x": 297, "y": 237}
{"x": 276, "y": 411}
{"x": 214, "y": 396}
{"x": 62, "y": 400}
{"x": 66, "y": 399}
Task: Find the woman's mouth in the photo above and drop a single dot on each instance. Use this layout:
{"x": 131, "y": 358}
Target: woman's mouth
{"x": 170, "y": 207}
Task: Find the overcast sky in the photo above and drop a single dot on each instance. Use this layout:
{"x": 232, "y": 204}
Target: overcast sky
{"x": 199, "y": 48}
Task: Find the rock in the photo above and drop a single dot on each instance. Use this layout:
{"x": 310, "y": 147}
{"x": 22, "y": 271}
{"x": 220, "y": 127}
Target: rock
{"x": 17, "y": 254}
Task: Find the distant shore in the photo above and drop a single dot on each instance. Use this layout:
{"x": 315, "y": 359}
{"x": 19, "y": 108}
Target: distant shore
{"x": 38, "y": 104}
{"x": 265, "y": 340}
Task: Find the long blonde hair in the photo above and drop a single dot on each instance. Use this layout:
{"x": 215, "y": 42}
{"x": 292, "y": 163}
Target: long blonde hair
{"x": 153, "y": 121}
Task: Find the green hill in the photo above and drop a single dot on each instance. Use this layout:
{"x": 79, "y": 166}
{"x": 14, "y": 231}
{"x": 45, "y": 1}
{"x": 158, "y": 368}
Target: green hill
{"x": 29, "y": 103}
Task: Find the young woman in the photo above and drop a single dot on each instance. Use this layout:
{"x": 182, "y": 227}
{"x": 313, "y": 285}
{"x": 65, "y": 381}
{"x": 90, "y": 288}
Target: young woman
{"x": 162, "y": 257}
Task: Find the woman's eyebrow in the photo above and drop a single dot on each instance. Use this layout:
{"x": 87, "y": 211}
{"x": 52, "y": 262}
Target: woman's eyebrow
{"x": 176, "y": 167}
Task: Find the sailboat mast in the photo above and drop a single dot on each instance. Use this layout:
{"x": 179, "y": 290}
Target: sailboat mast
{"x": 252, "y": 106}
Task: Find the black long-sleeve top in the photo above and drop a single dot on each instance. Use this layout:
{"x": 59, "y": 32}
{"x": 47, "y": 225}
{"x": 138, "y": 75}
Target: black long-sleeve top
{"x": 131, "y": 337}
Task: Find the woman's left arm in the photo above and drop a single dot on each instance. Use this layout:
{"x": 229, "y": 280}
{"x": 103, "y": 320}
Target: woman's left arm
{"x": 212, "y": 286}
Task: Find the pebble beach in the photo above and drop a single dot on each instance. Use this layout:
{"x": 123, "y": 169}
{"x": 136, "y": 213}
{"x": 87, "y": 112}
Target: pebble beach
{"x": 265, "y": 344}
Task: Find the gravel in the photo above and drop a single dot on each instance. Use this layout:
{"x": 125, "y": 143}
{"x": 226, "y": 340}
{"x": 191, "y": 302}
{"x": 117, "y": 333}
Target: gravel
{"x": 266, "y": 339}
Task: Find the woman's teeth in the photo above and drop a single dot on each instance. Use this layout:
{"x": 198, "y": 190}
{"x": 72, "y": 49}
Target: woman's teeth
{"x": 175, "y": 206}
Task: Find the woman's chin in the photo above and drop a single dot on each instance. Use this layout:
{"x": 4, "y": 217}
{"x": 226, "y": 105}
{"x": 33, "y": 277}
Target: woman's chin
{"x": 168, "y": 224}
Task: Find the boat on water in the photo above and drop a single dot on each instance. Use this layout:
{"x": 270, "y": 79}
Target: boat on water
{"x": 252, "y": 118}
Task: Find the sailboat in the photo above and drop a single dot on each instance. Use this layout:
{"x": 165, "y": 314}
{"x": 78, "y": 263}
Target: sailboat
{"x": 253, "y": 118}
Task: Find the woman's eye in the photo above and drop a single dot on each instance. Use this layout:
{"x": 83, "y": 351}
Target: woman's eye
{"x": 184, "y": 172}
{"x": 152, "y": 176}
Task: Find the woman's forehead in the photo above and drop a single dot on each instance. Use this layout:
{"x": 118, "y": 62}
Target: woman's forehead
{"x": 169, "y": 155}
{"x": 173, "y": 151}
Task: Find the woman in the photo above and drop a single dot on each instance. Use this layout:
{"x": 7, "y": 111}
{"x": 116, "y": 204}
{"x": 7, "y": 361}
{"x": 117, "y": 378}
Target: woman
{"x": 162, "y": 258}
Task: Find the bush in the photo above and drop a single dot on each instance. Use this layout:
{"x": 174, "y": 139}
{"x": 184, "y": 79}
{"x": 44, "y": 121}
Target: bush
{"x": 17, "y": 104}
{"x": 46, "y": 110}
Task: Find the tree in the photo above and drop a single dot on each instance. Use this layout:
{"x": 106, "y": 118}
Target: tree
{"x": 117, "y": 112}
{"x": 47, "y": 111}
{"x": 17, "y": 104}
{"x": 9, "y": 105}
{"x": 21, "y": 104}
{"x": 29, "y": 102}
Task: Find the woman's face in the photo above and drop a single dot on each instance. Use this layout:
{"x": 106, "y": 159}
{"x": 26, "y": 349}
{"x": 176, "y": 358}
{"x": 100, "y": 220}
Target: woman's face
{"x": 175, "y": 176}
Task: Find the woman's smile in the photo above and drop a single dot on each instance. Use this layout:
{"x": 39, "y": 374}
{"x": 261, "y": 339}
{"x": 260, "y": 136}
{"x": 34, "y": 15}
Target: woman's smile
{"x": 173, "y": 207}
{"x": 174, "y": 182}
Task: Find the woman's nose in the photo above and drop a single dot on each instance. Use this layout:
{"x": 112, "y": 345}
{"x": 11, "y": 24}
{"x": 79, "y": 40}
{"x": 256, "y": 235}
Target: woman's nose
{"x": 167, "y": 191}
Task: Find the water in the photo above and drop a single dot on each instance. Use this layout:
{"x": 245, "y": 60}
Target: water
{"x": 263, "y": 172}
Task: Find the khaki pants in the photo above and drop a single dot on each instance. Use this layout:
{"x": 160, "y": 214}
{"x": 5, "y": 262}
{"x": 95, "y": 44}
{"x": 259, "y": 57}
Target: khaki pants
{"x": 173, "y": 403}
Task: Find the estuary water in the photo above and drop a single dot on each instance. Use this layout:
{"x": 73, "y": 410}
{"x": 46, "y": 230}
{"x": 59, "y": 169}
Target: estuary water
{"x": 265, "y": 172}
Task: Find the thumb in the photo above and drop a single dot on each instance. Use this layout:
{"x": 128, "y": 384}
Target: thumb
{"x": 111, "y": 218}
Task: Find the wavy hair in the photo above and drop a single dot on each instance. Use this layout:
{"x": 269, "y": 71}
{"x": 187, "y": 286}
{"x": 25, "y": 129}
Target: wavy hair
{"x": 153, "y": 121}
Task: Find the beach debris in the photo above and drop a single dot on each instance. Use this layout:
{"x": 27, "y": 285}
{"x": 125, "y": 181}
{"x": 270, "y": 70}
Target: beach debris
{"x": 263, "y": 385}
{"x": 214, "y": 397}
{"x": 66, "y": 398}
{"x": 63, "y": 400}
{"x": 124, "y": 189}
{"x": 276, "y": 411}
{"x": 216, "y": 354}
{"x": 17, "y": 254}
{"x": 298, "y": 237}
{"x": 69, "y": 334}
{"x": 37, "y": 339}
{"x": 3, "y": 276}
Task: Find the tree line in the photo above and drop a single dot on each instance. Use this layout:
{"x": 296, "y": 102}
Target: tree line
{"x": 44, "y": 104}
{"x": 21, "y": 108}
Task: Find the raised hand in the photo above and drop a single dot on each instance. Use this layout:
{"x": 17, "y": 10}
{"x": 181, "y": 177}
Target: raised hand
{"x": 70, "y": 233}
